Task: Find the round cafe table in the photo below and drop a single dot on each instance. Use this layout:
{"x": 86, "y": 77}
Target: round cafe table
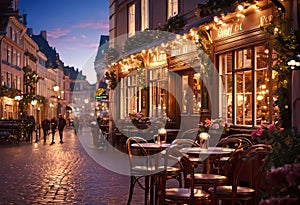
{"x": 204, "y": 154}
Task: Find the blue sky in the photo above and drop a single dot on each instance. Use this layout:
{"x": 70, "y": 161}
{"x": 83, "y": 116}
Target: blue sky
{"x": 73, "y": 28}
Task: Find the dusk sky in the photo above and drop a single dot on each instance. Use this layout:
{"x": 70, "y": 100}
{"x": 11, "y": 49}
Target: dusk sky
{"x": 73, "y": 28}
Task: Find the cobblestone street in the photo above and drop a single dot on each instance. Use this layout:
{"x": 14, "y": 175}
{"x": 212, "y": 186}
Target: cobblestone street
{"x": 38, "y": 173}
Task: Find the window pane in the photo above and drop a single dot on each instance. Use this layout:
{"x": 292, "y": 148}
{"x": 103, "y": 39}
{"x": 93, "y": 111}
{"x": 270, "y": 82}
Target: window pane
{"x": 244, "y": 98}
{"x": 184, "y": 93}
{"x": 244, "y": 58}
{"x": 262, "y": 97}
{"x": 131, "y": 19}
{"x": 197, "y": 93}
{"x": 172, "y": 8}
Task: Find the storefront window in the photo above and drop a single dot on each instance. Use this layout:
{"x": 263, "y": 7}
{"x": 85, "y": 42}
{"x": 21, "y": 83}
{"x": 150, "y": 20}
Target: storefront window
{"x": 196, "y": 93}
{"x": 225, "y": 62}
{"x": 249, "y": 95}
{"x": 185, "y": 81}
{"x": 158, "y": 91}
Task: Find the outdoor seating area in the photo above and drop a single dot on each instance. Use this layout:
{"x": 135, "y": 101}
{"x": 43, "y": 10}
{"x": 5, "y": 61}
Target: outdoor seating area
{"x": 186, "y": 171}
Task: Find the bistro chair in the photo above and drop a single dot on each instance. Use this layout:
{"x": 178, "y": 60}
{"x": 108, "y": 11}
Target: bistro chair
{"x": 142, "y": 167}
{"x": 187, "y": 194}
{"x": 246, "y": 142}
{"x": 217, "y": 163}
{"x": 247, "y": 168}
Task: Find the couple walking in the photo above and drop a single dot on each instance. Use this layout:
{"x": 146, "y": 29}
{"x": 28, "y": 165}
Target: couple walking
{"x": 57, "y": 124}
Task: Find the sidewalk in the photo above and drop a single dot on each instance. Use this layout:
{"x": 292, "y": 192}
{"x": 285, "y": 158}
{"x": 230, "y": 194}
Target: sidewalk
{"x": 38, "y": 173}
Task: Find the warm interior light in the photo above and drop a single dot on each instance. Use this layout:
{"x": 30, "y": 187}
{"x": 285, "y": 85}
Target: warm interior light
{"x": 216, "y": 19}
{"x": 240, "y": 7}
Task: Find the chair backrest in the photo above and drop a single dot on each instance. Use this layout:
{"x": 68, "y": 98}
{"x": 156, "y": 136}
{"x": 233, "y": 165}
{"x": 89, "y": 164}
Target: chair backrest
{"x": 230, "y": 142}
{"x": 246, "y": 142}
{"x": 252, "y": 160}
{"x": 139, "y": 155}
{"x": 174, "y": 155}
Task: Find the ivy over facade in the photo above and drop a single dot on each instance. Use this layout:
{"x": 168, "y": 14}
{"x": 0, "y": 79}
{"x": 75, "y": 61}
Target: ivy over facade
{"x": 31, "y": 56}
{"x": 112, "y": 79}
{"x": 9, "y": 92}
{"x": 30, "y": 80}
{"x": 174, "y": 24}
{"x": 284, "y": 43}
{"x": 204, "y": 43}
{"x": 111, "y": 55}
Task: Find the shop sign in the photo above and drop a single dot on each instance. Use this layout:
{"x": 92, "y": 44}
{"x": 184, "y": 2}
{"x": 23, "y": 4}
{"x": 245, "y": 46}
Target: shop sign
{"x": 230, "y": 29}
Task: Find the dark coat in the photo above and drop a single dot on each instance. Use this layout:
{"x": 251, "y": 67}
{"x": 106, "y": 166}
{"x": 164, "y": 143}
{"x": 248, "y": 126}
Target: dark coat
{"x": 46, "y": 124}
{"x": 61, "y": 124}
{"x": 53, "y": 124}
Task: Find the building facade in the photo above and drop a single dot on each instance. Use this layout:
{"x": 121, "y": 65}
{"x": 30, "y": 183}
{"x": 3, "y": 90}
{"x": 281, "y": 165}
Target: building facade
{"x": 239, "y": 87}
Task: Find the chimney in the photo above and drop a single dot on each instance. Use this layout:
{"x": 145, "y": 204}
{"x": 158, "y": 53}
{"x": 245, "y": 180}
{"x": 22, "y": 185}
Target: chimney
{"x": 29, "y": 31}
{"x": 44, "y": 34}
{"x": 24, "y": 19}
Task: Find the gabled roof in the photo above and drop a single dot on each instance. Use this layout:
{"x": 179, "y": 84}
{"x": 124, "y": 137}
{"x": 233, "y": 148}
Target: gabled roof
{"x": 74, "y": 73}
{"x": 103, "y": 47}
{"x": 50, "y": 52}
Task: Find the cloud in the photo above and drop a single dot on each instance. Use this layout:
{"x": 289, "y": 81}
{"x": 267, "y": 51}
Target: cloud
{"x": 83, "y": 36}
{"x": 92, "y": 25}
{"x": 58, "y": 33}
{"x": 90, "y": 45}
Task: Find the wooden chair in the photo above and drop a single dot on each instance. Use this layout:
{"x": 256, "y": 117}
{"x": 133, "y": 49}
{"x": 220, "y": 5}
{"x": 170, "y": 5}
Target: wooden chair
{"x": 142, "y": 167}
{"x": 245, "y": 138}
{"x": 251, "y": 159}
{"x": 187, "y": 194}
{"x": 217, "y": 162}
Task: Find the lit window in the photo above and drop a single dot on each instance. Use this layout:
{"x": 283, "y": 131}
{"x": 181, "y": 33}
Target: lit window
{"x": 172, "y": 8}
{"x": 131, "y": 19}
{"x": 248, "y": 90}
{"x": 145, "y": 14}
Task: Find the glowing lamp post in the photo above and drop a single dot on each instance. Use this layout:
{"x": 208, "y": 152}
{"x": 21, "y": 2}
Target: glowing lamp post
{"x": 56, "y": 89}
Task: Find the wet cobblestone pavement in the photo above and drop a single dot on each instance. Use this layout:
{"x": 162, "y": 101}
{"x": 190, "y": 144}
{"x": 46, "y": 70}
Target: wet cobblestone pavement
{"x": 38, "y": 173}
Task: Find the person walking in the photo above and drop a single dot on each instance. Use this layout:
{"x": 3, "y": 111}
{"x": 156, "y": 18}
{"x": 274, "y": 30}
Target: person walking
{"x": 61, "y": 125}
{"x": 53, "y": 129}
{"x": 46, "y": 128}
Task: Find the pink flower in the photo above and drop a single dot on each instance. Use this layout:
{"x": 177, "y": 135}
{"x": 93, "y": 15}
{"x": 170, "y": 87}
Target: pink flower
{"x": 208, "y": 122}
{"x": 216, "y": 126}
{"x": 271, "y": 127}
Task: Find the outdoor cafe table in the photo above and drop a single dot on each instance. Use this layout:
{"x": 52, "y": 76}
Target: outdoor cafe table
{"x": 153, "y": 149}
{"x": 204, "y": 154}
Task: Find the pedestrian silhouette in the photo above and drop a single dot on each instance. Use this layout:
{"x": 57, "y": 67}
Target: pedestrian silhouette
{"x": 53, "y": 128}
{"x": 46, "y": 128}
{"x": 61, "y": 125}
{"x": 30, "y": 126}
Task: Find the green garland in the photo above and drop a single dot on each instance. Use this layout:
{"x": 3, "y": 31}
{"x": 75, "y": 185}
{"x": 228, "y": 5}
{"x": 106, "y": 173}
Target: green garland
{"x": 112, "y": 78}
{"x": 204, "y": 43}
{"x": 174, "y": 24}
{"x": 284, "y": 43}
{"x": 30, "y": 80}
{"x": 213, "y": 6}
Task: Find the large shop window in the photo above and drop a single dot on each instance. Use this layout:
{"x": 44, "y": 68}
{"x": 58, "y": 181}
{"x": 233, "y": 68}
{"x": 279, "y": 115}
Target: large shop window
{"x": 248, "y": 83}
{"x": 191, "y": 105}
{"x": 158, "y": 91}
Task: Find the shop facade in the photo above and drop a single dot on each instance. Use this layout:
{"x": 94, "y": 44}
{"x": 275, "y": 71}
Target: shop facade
{"x": 169, "y": 80}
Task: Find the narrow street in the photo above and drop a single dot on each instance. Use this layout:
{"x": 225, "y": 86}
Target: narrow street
{"x": 38, "y": 173}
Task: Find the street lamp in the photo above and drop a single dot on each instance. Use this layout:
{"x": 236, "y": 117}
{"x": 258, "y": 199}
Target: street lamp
{"x": 294, "y": 63}
{"x": 56, "y": 89}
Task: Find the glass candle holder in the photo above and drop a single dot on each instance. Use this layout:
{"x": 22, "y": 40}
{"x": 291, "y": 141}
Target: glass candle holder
{"x": 162, "y": 133}
{"x": 204, "y": 140}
